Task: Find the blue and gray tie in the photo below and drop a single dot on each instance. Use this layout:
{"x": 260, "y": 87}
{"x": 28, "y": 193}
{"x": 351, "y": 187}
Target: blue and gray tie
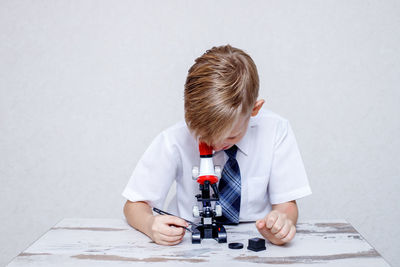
{"x": 229, "y": 189}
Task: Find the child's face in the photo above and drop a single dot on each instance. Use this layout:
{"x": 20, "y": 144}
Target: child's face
{"x": 235, "y": 136}
{"x": 239, "y": 130}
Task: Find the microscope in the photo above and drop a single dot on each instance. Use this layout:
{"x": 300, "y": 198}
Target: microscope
{"x": 207, "y": 176}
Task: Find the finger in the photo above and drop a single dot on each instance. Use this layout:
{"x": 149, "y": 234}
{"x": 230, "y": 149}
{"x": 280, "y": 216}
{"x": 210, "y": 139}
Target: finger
{"x": 260, "y": 224}
{"x": 262, "y": 228}
{"x": 168, "y": 238}
{"x": 290, "y": 235}
{"x": 271, "y": 218}
{"x": 284, "y": 231}
{"x": 176, "y": 242}
{"x": 171, "y": 230}
{"x": 175, "y": 221}
{"x": 172, "y": 243}
{"x": 279, "y": 223}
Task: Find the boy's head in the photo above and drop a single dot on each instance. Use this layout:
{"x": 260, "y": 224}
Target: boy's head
{"x": 221, "y": 93}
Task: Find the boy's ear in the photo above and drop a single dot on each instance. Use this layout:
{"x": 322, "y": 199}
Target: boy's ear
{"x": 257, "y": 106}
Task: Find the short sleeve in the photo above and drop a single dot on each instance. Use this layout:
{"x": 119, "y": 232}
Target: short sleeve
{"x": 288, "y": 179}
{"x": 153, "y": 174}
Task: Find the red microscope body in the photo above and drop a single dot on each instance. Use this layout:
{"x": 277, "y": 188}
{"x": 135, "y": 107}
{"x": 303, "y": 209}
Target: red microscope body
{"x": 207, "y": 176}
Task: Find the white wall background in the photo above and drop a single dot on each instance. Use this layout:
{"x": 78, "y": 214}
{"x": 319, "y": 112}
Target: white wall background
{"x": 86, "y": 85}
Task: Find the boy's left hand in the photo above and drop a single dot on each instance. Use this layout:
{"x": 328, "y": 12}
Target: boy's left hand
{"x": 276, "y": 227}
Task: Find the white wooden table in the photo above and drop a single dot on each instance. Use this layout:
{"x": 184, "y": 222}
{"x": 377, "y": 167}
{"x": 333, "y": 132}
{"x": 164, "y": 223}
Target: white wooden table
{"x": 112, "y": 242}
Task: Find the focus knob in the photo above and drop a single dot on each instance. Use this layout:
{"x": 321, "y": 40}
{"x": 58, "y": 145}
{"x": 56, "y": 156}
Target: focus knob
{"x": 196, "y": 212}
{"x": 218, "y": 171}
{"x": 218, "y": 210}
{"x": 195, "y": 172}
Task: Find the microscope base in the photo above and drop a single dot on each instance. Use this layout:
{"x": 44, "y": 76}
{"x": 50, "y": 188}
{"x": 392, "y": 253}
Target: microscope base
{"x": 214, "y": 231}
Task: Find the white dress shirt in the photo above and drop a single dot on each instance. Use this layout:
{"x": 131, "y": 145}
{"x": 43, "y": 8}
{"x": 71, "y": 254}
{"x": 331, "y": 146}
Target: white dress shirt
{"x": 270, "y": 163}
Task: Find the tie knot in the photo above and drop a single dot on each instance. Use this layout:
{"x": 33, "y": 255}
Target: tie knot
{"x": 231, "y": 152}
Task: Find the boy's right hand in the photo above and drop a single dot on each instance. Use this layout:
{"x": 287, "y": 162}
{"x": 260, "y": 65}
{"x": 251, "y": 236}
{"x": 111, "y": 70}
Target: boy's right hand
{"x": 165, "y": 229}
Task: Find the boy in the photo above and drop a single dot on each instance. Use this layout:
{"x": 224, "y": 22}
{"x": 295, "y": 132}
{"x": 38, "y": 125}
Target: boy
{"x": 256, "y": 147}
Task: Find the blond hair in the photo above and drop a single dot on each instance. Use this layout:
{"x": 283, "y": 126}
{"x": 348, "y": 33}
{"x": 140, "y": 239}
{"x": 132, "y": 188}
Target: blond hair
{"x": 221, "y": 85}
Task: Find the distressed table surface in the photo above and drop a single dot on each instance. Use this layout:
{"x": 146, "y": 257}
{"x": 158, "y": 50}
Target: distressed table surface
{"x": 112, "y": 242}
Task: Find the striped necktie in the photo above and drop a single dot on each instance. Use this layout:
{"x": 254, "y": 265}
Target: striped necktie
{"x": 229, "y": 189}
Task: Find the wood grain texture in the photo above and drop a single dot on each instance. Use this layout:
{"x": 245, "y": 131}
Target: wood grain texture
{"x": 112, "y": 242}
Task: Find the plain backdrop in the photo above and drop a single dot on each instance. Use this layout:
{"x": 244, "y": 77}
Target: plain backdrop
{"x": 86, "y": 85}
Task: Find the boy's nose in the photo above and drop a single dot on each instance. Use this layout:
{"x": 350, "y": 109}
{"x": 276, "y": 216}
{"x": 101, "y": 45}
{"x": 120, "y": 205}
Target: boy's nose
{"x": 218, "y": 147}
{"x": 221, "y": 147}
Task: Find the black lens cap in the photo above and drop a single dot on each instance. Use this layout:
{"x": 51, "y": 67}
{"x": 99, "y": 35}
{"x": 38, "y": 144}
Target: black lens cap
{"x": 235, "y": 245}
{"x": 256, "y": 244}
